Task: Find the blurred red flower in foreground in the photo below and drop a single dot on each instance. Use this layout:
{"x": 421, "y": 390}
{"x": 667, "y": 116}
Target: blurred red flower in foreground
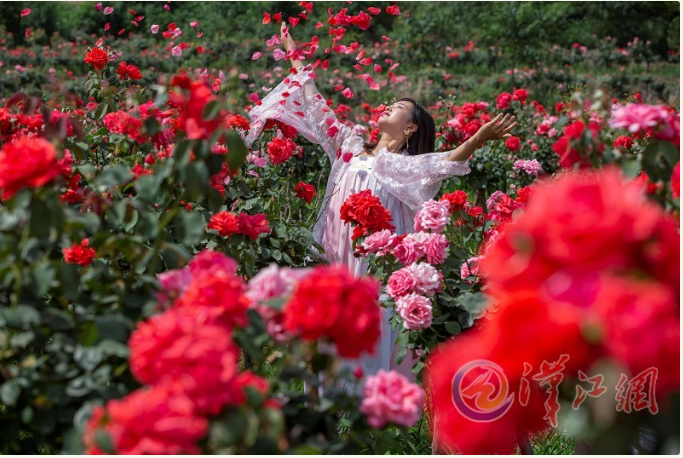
{"x": 28, "y": 162}
{"x": 331, "y": 302}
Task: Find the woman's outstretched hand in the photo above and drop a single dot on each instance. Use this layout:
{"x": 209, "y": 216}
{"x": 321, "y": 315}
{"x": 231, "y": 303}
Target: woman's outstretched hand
{"x": 289, "y": 44}
{"x": 497, "y": 128}
{"x": 286, "y": 38}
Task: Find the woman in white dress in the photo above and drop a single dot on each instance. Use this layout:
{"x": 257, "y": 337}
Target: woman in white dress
{"x": 401, "y": 169}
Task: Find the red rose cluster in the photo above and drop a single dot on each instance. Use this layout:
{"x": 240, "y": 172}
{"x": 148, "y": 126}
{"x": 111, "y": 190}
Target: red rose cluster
{"x": 227, "y": 224}
{"x": 128, "y": 71}
{"x": 567, "y": 145}
{"x": 596, "y": 276}
{"x": 367, "y": 212}
{"x": 80, "y": 254}
{"x": 280, "y": 150}
{"x": 304, "y": 191}
{"x": 331, "y": 302}
{"x": 188, "y": 358}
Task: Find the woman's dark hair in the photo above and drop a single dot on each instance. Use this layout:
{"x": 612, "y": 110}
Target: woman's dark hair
{"x": 422, "y": 140}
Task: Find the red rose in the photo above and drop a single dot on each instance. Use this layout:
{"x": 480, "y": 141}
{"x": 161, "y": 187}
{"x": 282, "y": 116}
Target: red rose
{"x": 216, "y": 295}
{"x": 331, "y": 302}
{"x": 128, "y": 71}
{"x": 623, "y": 142}
{"x": 81, "y": 254}
{"x": 225, "y": 223}
{"x": 640, "y": 328}
{"x": 604, "y": 225}
{"x": 149, "y": 421}
{"x": 512, "y": 143}
{"x": 237, "y": 121}
{"x": 520, "y": 95}
{"x": 280, "y": 150}
{"x": 676, "y": 181}
{"x": 28, "y": 162}
{"x": 457, "y": 199}
{"x": 304, "y": 191}
{"x": 98, "y": 57}
{"x": 503, "y": 101}
{"x": 253, "y": 225}
{"x": 287, "y": 130}
{"x": 367, "y": 212}
{"x": 572, "y": 135}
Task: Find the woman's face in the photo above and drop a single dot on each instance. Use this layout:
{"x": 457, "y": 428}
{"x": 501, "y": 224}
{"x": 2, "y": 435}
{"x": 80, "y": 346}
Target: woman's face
{"x": 396, "y": 118}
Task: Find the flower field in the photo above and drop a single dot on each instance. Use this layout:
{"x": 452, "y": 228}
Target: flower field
{"x": 162, "y": 292}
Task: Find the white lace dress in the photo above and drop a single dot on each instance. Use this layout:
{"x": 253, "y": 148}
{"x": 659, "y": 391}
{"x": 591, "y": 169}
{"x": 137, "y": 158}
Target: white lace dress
{"x": 401, "y": 182}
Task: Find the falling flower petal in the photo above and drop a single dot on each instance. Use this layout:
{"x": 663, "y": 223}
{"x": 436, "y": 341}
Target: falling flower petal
{"x": 98, "y": 7}
{"x": 279, "y": 54}
{"x": 394, "y": 10}
{"x": 154, "y": 29}
{"x": 25, "y": 12}
{"x": 177, "y": 51}
{"x": 108, "y": 10}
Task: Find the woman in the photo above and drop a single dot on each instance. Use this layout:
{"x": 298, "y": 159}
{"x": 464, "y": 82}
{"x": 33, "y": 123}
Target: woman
{"x": 401, "y": 169}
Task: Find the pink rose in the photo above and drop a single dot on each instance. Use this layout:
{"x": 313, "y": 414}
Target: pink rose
{"x": 435, "y": 248}
{"x": 212, "y": 262}
{"x": 408, "y": 251}
{"x": 176, "y": 51}
{"x": 390, "y": 398}
{"x": 274, "y": 281}
{"x": 473, "y": 268}
{"x": 173, "y": 283}
{"x": 427, "y": 277}
{"x": 380, "y": 242}
{"x": 415, "y": 310}
{"x": 434, "y": 215}
{"x": 401, "y": 283}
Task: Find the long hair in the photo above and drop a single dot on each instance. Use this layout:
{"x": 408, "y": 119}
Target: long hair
{"x": 423, "y": 139}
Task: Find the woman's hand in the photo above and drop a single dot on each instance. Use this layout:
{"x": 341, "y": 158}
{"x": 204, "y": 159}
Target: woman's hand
{"x": 289, "y": 44}
{"x": 286, "y": 38}
{"x": 497, "y": 128}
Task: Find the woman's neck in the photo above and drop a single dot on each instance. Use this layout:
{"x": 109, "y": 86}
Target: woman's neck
{"x": 391, "y": 144}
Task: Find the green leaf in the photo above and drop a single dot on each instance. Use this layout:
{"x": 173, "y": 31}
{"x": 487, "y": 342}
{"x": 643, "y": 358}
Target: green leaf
{"x": 181, "y": 153}
{"x": 631, "y": 168}
{"x": 189, "y": 228}
{"x": 237, "y": 152}
{"x": 211, "y": 110}
{"x": 453, "y": 327}
{"x": 113, "y": 176}
{"x": 196, "y": 180}
{"x": 43, "y": 274}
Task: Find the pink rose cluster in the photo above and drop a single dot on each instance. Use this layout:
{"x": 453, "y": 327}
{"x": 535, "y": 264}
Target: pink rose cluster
{"x": 419, "y": 245}
{"x": 390, "y": 398}
{"x": 532, "y": 166}
{"x": 380, "y": 243}
{"x": 433, "y": 216}
{"x": 411, "y": 288}
{"x": 419, "y": 278}
{"x": 638, "y": 118}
